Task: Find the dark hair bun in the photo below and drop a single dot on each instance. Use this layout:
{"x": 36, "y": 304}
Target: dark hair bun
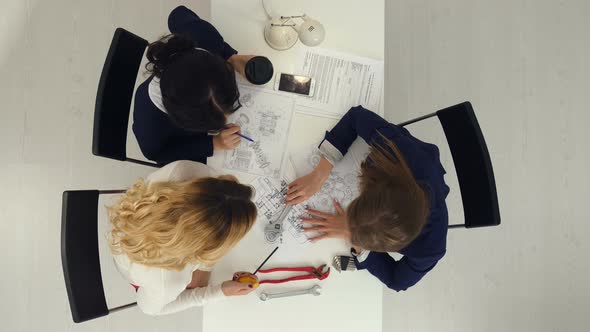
{"x": 161, "y": 53}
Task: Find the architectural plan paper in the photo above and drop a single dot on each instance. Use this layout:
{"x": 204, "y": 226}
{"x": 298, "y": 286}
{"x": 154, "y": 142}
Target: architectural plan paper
{"x": 265, "y": 117}
{"x": 342, "y": 184}
{"x": 341, "y": 82}
{"x": 281, "y": 222}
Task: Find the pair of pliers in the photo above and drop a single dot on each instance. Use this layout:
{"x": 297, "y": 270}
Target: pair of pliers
{"x": 319, "y": 273}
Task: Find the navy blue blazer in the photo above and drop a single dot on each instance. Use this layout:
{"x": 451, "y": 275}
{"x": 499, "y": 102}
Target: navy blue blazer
{"x": 422, "y": 254}
{"x": 159, "y": 139}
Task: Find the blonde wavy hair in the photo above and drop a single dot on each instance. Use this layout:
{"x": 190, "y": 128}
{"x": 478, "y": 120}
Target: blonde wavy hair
{"x": 171, "y": 224}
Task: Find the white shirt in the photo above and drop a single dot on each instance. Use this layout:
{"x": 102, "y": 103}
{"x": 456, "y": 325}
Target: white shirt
{"x": 163, "y": 291}
{"x": 363, "y": 255}
{"x": 155, "y": 94}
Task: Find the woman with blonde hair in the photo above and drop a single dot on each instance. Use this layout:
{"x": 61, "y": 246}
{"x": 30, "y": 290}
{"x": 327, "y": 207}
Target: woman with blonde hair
{"x": 401, "y": 207}
{"x": 169, "y": 230}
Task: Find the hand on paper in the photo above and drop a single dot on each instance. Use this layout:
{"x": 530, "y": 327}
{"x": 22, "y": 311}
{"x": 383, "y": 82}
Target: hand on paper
{"x": 306, "y": 186}
{"x": 303, "y": 188}
{"x": 326, "y": 224}
{"x": 227, "y": 138}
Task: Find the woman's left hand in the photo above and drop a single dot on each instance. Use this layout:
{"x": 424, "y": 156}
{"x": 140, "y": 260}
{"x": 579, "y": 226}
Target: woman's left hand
{"x": 238, "y": 61}
{"x": 326, "y": 224}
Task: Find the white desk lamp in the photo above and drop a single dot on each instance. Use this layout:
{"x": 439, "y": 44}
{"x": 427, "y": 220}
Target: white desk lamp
{"x": 281, "y": 32}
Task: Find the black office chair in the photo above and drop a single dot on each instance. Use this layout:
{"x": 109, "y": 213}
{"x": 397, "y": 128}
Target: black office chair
{"x": 79, "y": 255}
{"x": 113, "y": 99}
{"x": 472, "y": 163}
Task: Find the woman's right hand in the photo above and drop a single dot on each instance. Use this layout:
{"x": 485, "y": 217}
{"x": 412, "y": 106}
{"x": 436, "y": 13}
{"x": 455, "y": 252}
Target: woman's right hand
{"x": 306, "y": 186}
{"x": 227, "y": 139}
{"x": 234, "y": 288}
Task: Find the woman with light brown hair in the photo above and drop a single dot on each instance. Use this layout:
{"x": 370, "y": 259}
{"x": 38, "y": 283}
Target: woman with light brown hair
{"x": 169, "y": 230}
{"x": 401, "y": 207}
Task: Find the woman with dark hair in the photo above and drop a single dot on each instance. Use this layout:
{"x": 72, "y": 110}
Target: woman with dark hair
{"x": 401, "y": 207}
{"x": 180, "y": 110}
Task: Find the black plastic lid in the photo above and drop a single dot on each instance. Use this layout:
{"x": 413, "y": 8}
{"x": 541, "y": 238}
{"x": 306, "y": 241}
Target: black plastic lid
{"x": 259, "y": 70}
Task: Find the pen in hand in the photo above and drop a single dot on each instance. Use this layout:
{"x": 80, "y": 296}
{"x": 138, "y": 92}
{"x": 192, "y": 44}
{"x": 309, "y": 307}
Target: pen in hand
{"x": 245, "y": 137}
{"x": 217, "y": 132}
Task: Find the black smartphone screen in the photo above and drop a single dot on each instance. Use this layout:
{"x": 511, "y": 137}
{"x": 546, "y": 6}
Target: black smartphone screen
{"x": 296, "y": 84}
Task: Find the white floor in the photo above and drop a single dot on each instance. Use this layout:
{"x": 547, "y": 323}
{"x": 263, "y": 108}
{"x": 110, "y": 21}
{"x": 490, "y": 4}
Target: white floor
{"x": 523, "y": 64}
{"x": 51, "y": 57}
{"x": 525, "y": 67}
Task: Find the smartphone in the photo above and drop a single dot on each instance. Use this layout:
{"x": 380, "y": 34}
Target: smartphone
{"x": 294, "y": 83}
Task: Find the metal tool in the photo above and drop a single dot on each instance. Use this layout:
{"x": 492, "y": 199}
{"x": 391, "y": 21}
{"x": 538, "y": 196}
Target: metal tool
{"x": 320, "y": 273}
{"x": 274, "y": 229}
{"x": 343, "y": 263}
{"x": 281, "y": 216}
{"x": 266, "y": 260}
{"x": 316, "y": 290}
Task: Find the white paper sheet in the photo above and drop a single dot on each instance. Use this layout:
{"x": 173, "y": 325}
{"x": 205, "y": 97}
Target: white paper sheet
{"x": 341, "y": 82}
{"x": 265, "y": 117}
{"x": 280, "y": 222}
{"x": 342, "y": 185}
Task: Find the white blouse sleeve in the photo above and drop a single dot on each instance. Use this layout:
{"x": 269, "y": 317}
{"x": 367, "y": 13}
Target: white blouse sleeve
{"x": 167, "y": 297}
{"x": 153, "y": 305}
{"x": 206, "y": 268}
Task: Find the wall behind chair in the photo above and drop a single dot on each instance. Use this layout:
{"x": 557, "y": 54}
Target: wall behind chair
{"x": 524, "y": 66}
{"x": 51, "y": 57}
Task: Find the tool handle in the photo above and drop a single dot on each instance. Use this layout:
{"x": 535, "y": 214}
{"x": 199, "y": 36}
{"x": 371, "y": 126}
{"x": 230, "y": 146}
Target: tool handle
{"x": 280, "y": 281}
{"x": 248, "y": 280}
{"x": 293, "y": 293}
{"x": 288, "y": 269}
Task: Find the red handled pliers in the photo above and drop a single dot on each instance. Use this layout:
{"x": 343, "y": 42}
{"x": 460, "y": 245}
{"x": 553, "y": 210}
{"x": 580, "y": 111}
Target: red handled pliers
{"x": 312, "y": 273}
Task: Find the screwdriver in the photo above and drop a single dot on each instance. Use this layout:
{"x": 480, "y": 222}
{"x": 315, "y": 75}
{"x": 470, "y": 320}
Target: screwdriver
{"x": 250, "y": 279}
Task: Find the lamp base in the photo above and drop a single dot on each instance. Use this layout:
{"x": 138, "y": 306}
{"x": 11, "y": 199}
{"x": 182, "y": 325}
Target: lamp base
{"x": 279, "y": 37}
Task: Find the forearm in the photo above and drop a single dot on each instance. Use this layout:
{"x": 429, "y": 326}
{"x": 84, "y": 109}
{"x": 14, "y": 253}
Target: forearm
{"x": 359, "y": 122}
{"x": 239, "y": 61}
{"x": 307, "y": 185}
{"x": 397, "y": 275}
{"x": 188, "y": 298}
{"x": 200, "y": 279}
{"x": 323, "y": 169}
{"x": 186, "y": 22}
{"x": 256, "y": 69}
{"x": 356, "y": 122}
{"x": 382, "y": 266}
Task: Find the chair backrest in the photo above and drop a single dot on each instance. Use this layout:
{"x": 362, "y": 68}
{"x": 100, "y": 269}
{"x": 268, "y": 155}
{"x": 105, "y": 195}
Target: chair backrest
{"x": 115, "y": 92}
{"x": 79, "y": 255}
{"x": 473, "y": 165}
{"x": 80, "y": 258}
